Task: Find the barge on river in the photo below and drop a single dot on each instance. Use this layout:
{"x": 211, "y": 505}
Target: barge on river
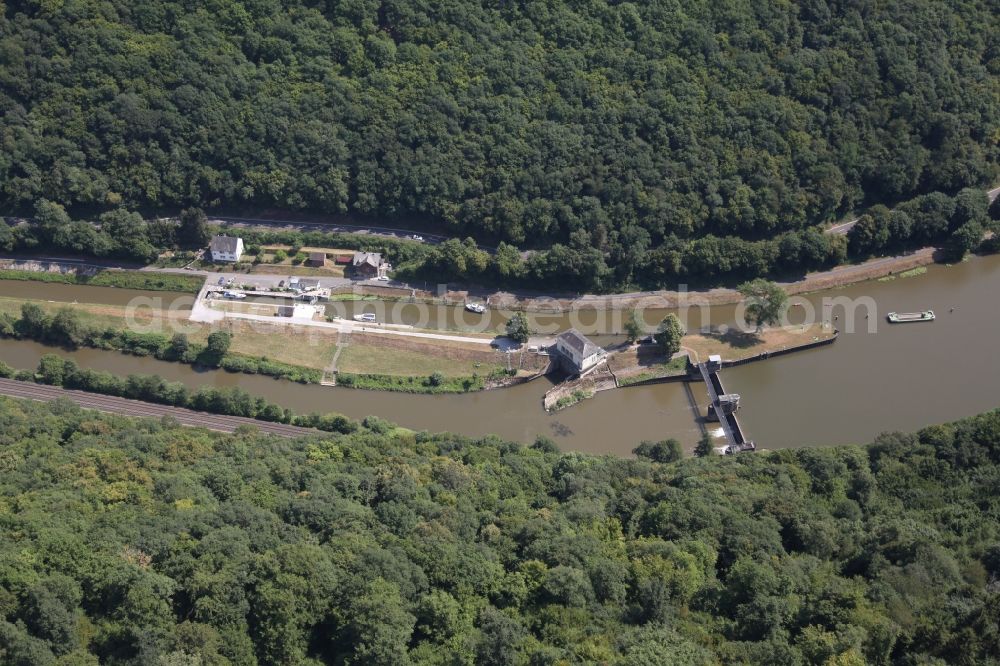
{"x": 907, "y": 317}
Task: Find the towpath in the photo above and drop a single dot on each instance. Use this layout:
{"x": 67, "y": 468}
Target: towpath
{"x": 126, "y": 407}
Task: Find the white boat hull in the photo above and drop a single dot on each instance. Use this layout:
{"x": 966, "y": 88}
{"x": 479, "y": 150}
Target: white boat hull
{"x": 909, "y": 317}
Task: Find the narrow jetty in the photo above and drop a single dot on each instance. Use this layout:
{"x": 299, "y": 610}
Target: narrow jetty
{"x": 723, "y": 407}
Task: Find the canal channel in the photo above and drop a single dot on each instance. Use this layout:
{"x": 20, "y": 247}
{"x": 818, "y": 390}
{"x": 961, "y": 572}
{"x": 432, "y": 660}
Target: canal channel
{"x": 897, "y": 377}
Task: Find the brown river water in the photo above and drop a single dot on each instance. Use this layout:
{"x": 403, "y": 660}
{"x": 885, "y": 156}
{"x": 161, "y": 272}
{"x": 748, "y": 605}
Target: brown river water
{"x": 899, "y": 377}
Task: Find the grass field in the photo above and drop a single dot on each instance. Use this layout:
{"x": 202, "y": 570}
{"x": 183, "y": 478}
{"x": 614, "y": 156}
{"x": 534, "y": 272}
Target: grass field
{"x": 309, "y": 348}
{"x": 640, "y": 373}
{"x": 648, "y": 362}
{"x": 92, "y": 314}
{"x": 288, "y": 268}
{"x": 735, "y": 345}
{"x": 365, "y": 358}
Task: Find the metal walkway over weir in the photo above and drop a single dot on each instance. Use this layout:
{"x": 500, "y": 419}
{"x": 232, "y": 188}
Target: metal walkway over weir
{"x": 723, "y": 406}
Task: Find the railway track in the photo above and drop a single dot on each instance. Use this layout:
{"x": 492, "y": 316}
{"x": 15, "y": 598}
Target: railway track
{"x": 127, "y": 407}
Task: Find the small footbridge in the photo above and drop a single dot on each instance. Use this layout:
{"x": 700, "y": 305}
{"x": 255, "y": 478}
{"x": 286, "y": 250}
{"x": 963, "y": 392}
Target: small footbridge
{"x": 723, "y": 407}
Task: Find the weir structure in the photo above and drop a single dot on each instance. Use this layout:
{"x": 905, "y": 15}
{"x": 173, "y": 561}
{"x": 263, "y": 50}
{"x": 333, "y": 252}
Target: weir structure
{"x": 723, "y": 407}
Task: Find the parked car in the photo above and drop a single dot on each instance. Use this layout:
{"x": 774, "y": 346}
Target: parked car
{"x": 222, "y": 280}
{"x": 383, "y": 278}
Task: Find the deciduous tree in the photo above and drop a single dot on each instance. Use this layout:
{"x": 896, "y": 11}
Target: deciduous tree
{"x": 517, "y": 328}
{"x": 669, "y": 334}
{"x": 765, "y": 302}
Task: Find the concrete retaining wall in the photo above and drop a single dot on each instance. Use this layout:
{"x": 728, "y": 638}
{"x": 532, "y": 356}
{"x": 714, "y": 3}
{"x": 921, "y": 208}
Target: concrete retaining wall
{"x": 781, "y": 352}
{"x": 743, "y": 361}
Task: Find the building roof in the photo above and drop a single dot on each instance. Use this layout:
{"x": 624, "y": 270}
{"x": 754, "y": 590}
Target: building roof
{"x": 298, "y": 311}
{"x": 224, "y": 244}
{"x": 308, "y": 283}
{"x": 578, "y": 343}
{"x": 317, "y": 256}
{"x": 343, "y": 259}
{"x": 373, "y": 259}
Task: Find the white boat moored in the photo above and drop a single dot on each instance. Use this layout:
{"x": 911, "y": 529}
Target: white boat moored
{"x": 906, "y": 317}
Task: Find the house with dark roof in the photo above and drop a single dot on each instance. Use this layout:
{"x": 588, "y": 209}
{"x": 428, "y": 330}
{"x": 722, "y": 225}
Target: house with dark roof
{"x": 317, "y": 259}
{"x": 578, "y": 354}
{"x": 227, "y": 249}
{"x": 368, "y": 265}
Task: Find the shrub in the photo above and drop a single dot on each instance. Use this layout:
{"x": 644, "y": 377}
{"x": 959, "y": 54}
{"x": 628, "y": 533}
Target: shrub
{"x": 377, "y": 424}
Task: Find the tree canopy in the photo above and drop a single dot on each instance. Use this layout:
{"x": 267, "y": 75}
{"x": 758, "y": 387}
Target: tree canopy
{"x": 765, "y": 302}
{"x": 140, "y": 542}
{"x": 669, "y": 334}
{"x": 620, "y": 138}
{"x": 517, "y": 327}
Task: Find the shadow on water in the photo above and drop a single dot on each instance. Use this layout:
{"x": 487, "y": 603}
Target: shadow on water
{"x": 560, "y": 429}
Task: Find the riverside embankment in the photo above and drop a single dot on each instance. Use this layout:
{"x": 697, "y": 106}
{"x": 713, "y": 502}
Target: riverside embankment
{"x": 894, "y": 377}
{"x": 126, "y": 407}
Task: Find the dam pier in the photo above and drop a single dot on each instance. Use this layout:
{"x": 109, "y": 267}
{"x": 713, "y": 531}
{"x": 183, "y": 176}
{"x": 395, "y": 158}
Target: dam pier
{"x": 723, "y": 406}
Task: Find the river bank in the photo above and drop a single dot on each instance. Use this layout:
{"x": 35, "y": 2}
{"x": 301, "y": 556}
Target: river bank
{"x": 876, "y": 377}
{"x": 26, "y": 390}
{"x": 360, "y": 358}
{"x": 525, "y": 301}
{"x": 97, "y": 276}
{"x": 839, "y": 276}
{"x": 642, "y": 364}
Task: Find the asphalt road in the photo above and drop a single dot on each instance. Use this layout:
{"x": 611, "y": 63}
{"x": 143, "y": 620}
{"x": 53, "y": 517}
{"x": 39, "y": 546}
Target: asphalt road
{"x": 432, "y": 239}
{"x": 844, "y": 227}
{"x": 299, "y": 225}
{"x": 126, "y": 407}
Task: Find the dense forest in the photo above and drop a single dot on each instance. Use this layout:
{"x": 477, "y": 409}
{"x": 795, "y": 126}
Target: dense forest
{"x": 610, "y": 133}
{"x": 140, "y": 542}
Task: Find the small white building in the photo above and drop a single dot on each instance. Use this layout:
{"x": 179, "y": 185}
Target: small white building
{"x": 226, "y": 249}
{"x": 579, "y": 354}
{"x": 299, "y": 311}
